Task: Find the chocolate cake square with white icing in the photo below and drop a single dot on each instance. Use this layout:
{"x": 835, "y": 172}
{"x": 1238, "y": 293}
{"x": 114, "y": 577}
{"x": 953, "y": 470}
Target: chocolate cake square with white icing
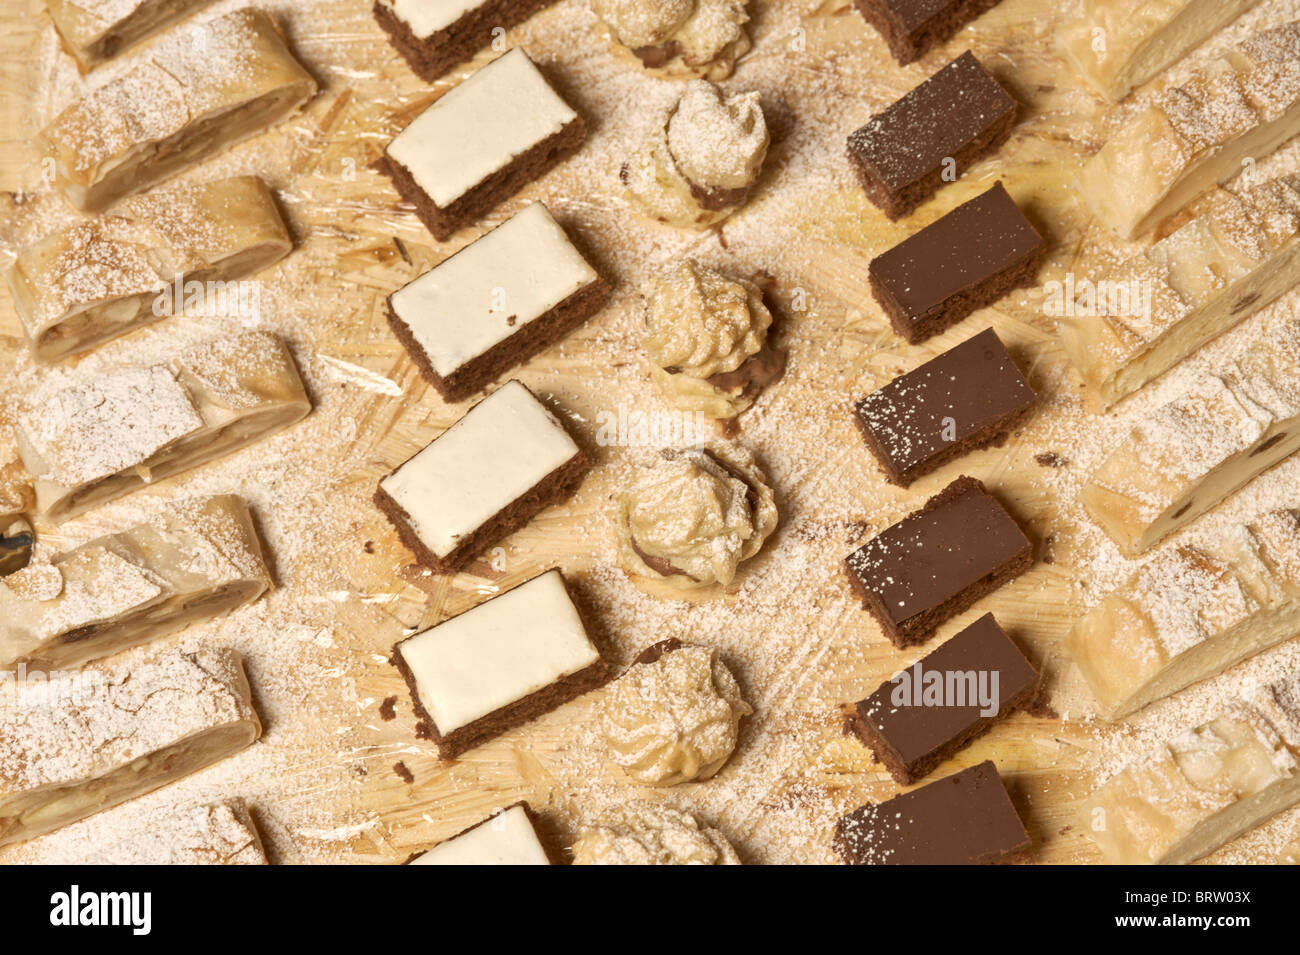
{"x": 483, "y": 478}
{"x": 505, "y": 662}
{"x": 481, "y": 143}
{"x": 495, "y": 303}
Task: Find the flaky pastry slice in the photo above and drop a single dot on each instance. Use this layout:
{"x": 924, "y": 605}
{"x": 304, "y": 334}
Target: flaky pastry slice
{"x": 222, "y": 833}
{"x": 1167, "y": 301}
{"x": 93, "y": 31}
{"x": 102, "y": 278}
{"x": 1205, "y": 786}
{"x": 96, "y": 441}
{"x": 1238, "y": 108}
{"x": 1192, "y": 612}
{"x": 70, "y": 748}
{"x": 200, "y": 559}
{"x": 199, "y": 91}
{"x": 1185, "y": 457}
{"x": 1118, "y": 44}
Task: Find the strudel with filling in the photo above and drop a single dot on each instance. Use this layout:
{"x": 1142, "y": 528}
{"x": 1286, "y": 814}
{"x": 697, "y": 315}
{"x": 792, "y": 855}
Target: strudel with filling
{"x": 200, "y": 559}
{"x": 68, "y": 751}
{"x": 90, "y": 283}
{"x": 1186, "y": 456}
{"x": 116, "y": 432}
{"x": 1240, "y": 106}
{"x": 93, "y": 31}
{"x": 222, "y": 833}
{"x": 482, "y": 479}
{"x": 495, "y": 304}
{"x": 1135, "y": 323}
{"x": 1205, "y": 786}
{"x": 507, "y": 837}
{"x": 480, "y": 143}
{"x": 196, "y": 93}
{"x": 508, "y": 660}
{"x": 1117, "y": 45}
{"x": 435, "y": 35}
{"x": 1192, "y": 612}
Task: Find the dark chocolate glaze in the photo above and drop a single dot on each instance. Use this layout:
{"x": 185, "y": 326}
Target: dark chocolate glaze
{"x": 933, "y": 122}
{"x": 964, "y": 819}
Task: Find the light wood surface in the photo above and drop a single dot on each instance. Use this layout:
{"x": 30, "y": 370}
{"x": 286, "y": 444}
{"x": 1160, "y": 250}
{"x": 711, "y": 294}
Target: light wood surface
{"x": 791, "y": 628}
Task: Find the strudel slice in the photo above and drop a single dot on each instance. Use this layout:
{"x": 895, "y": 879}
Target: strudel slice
{"x": 96, "y": 441}
{"x": 199, "y": 560}
{"x": 1170, "y": 299}
{"x": 17, "y": 497}
{"x": 1205, "y": 786}
{"x": 1241, "y": 106}
{"x": 1190, "y": 454}
{"x": 201, "y": 90}
{"x": 482, "y": 479}
{"x": 1119, "y": 44}
{"x": 220, "y": 834}
{"x": 93, "y": 31}
{"x": 1192, "y": 612}
{"x": 105, "y": 277}
{"x": 70, "y": 749}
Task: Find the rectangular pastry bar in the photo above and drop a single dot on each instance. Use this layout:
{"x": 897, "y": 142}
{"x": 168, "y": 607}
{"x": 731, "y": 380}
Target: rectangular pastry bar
{"x": 1140, "y": 38}
{"x": 931, "y": 136}
{"x": 435, "y": 35}
{"x": 495, "y": 303}
{"x": 966, "y": 260}
{"x": 1204, "y": 787}
{"x": 508, "y": 837}
{"x": 90, "y": 283}
{"x": 1241, "y": 106}
{"x": 913, "y": 27}
{"x": 480, "y": 143}
{"x": 1189, "y": 287}
{"x": 963, "y": 819}
{"x": 482, "y": 479}
{"x": 220, "y": 834}
{"x": 1191, "y": 613}
{"x": 93, "y": 31}
{"x": 67, "y": 753}
{"x": 204, "y": 88}
{"x": 1186, "y": 456}
{"x": 936, "y": 707}
{"x": 970, "y": 397}
{"x": 937, "y": 561}
{"x": 94, "y": 442}
{"x": 200, "y": 559}
{"x": 509, "y": 660}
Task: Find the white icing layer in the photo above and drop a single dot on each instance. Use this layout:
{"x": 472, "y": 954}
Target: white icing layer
{"x": 491, "y": 289}
{"x": 508, "y": 838}
{"x": 498, "y": 653}
{"x": 480, "y": 127}
{"x": 427, "y": 17}
{"x": 497, "y": 453}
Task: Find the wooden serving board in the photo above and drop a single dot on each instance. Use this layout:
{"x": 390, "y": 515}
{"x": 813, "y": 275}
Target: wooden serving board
{"x": 789, "y": 627}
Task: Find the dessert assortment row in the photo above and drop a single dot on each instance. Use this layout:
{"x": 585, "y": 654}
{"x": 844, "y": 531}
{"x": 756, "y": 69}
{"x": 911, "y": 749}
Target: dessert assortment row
{"x": 697, "y": 513}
